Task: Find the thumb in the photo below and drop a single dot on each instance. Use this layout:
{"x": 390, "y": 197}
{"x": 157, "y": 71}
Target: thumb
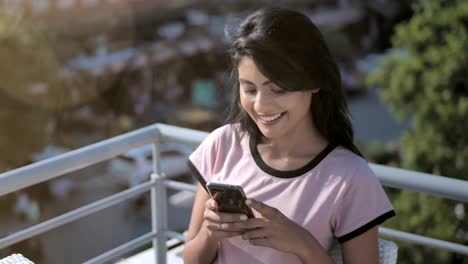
{"x": 263, "y": 209}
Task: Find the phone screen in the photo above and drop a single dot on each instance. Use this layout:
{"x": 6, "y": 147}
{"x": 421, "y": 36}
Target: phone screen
{"x": 230, "y": 199}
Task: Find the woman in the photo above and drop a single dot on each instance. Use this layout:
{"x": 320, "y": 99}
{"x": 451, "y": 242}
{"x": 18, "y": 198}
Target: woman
{"x": 289, "y": 144}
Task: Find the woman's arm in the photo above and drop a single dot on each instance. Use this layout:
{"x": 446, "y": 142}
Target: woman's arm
{"x": 275, "y": 230}
{"x": 362, "y": 249}
{"x": 198, "y": 248}
{"x": 207, "y": 228}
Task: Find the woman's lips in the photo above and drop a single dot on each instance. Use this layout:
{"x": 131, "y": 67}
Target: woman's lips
{"x": 270, "y": 119}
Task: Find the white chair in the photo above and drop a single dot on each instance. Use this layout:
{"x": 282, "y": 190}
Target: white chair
{"x": 15, "y": 259}
{"x": 388, "y": 252}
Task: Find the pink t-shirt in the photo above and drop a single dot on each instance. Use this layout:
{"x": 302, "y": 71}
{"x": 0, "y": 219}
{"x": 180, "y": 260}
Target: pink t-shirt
{"x": 335, "y": 196}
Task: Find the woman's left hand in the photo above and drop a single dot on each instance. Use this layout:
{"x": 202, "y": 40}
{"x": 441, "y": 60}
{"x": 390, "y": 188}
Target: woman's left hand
{"x": 274, "y": 230}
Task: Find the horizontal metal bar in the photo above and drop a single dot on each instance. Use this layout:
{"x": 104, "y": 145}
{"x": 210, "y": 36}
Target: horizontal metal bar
{"x": 422, "y": 182}
{"x": 181, "y": 186}
{"x": 425, "y": 241}
{"x": 176, "y": 235}
{"x": 44, "y": 170}
{"x": 122, "y": 249}
{"x": 181, "y": 135}
{"x": 74, "y": 215}
{"x": 173, "y": 242}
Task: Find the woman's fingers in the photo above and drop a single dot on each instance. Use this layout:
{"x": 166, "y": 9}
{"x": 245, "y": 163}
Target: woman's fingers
{"x": 224, "y": 226}
{"x": 251, "y": 223}
{"x": 220, "y": 232}
{"x": 213, "y": 215}
{"x": 265, "y": 210}
{"x": 259, "y": 233}
{"x": 213, "y": 226}
{"x": 211, "y": 205}
{"x": 263, "y": 242}
{"x": 215, "y": 229}
{"x": 227, "y": 234}
{"x": 224, "y": 217}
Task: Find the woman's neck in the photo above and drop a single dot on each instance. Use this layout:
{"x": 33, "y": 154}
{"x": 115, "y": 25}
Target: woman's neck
{"x": 302, "y": 141}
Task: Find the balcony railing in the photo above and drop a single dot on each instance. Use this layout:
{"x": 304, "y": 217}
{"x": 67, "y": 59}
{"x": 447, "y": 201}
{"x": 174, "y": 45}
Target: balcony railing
{"x": 45, "y": 170}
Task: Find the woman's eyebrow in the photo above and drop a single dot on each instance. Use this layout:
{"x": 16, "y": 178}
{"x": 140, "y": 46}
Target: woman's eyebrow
{"x": 251, "y": 83}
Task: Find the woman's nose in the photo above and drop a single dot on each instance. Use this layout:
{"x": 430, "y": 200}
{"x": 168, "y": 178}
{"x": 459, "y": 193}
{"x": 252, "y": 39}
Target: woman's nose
{"x": 262, "y": 102}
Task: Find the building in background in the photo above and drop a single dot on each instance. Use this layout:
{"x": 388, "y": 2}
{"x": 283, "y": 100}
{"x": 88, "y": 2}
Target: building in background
{"x": 61, "y": 8}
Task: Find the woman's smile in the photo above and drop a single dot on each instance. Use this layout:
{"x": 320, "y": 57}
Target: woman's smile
{"x": 270, "y": 119}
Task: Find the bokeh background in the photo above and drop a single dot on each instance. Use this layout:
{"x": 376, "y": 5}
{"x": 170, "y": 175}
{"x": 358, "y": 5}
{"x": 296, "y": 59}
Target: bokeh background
{"x": 75, "y": 72}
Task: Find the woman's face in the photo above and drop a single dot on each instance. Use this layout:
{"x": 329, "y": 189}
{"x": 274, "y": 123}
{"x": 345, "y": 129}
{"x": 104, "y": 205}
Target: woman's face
{"x": 277, "y": 113}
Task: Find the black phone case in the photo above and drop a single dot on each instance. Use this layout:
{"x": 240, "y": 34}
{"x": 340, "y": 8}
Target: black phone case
{"x": 230, "y": 199}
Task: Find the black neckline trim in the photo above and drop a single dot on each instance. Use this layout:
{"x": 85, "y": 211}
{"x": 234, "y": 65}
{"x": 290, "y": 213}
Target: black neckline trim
{"x": 288, "y": 173}
{"x": 377, "y": 221}
{"x": 197, "y": 174}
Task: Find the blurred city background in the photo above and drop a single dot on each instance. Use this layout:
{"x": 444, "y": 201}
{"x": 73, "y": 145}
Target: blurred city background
{"x": 75, "y": 72}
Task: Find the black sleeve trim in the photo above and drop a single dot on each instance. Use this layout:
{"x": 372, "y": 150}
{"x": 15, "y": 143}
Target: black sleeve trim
{"x": 366, "y": 227}
{"x": 197, "y": 174}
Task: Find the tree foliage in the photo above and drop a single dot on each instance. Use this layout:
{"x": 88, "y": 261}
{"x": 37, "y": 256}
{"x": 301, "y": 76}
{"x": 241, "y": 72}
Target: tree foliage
{"x": 33, "y": 71}
{"x": 424, "y": 78}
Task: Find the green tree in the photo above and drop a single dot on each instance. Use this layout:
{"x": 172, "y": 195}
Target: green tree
{"x": 32, "y": 87}
{"x": 424, "y": 78}
{"x": 35, "y": 73}
{"x": 37, "y": 83}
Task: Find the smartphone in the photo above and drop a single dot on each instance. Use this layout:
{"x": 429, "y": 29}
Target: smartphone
{"x": 230, "y": 198}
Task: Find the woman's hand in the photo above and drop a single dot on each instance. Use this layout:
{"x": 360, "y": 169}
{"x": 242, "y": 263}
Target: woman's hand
{"x": 274, "y": 230}
{"x": 221, "y": 225}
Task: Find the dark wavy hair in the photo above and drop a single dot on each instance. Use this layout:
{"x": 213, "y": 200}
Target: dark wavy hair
{"x": 291, "y": 52}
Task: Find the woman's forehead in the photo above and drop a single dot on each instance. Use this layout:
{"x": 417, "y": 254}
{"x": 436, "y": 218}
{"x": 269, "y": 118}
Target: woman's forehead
{"x": 248, "y": 70}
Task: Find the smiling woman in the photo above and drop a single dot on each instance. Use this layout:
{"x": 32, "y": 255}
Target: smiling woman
{"x": 278, "y": 113}
{"x": 289, "y": 145}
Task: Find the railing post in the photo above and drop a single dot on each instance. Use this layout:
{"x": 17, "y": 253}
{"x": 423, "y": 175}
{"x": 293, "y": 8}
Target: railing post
{"x": 158, "y": 208}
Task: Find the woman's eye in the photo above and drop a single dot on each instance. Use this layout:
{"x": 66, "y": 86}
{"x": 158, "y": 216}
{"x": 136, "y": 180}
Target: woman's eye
{"x": 279, "y": 91}
{"x": 249, "y": 91}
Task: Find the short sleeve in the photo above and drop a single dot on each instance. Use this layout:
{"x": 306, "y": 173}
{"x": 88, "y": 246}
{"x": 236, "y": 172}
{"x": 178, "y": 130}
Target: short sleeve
{"x": 364, "y": 205}
{"x": 201, "y": 162}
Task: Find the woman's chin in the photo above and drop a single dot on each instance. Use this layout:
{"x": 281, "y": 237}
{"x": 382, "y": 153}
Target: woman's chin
{"x": 270, "y": 132}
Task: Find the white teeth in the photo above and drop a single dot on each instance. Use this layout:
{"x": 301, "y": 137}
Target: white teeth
{"x": 269, "y": 118}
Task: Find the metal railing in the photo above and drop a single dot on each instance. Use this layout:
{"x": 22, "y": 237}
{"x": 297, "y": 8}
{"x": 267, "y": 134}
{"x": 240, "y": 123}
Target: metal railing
{"x": 24, "y": 177}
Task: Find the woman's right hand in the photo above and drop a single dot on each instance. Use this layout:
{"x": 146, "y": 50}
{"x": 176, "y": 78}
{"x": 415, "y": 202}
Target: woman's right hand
{"x": 220, "y": 225}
